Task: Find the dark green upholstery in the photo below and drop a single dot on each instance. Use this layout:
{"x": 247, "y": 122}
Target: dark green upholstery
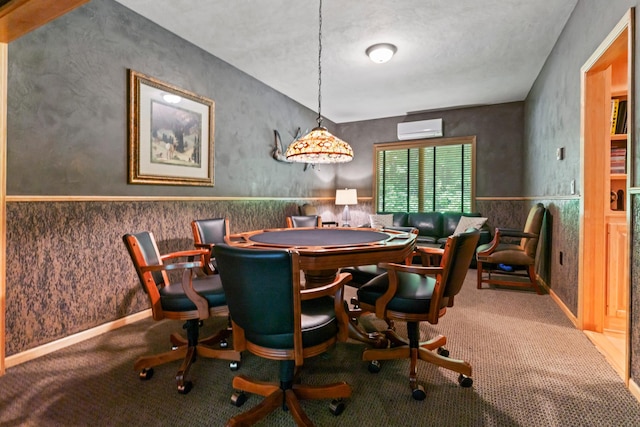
{"x": 206, "y": 234}
{"x": 172, "y": 297}
{"x": 259, "y": 290}
{"x": 274, "y": 318}
{"x": 413, "y": 294}
{"x": 298, "y": 221}
{"x": 415, "y": 291}
{"x": 191, "y": 299}
{"x": 211, "y": 230}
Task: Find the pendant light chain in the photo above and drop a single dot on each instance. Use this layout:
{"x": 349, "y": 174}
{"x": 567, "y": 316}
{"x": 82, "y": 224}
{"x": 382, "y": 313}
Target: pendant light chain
{"x": 320, "y": 66}
{"x": 319, "y": 146}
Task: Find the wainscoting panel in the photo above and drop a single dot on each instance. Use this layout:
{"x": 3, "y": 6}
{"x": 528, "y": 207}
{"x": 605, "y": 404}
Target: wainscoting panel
{"x": 68, "y": 269}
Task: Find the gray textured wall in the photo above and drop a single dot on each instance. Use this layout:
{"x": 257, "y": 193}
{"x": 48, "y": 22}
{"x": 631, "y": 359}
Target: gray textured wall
{"x": 499, "y": 145}
{"x": 552, "y": 119}
{"x": 552, "y": 109}
{"x": 67, "y": 112}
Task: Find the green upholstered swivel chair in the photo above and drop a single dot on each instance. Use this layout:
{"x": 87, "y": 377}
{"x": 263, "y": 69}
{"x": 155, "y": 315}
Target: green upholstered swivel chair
{"x": 191, "y": 299}
{"x": 415, "y": 294}
{"x": 274, "y": 318}
{"x": 206, "y": 234}
{"x": 299, "y": 221}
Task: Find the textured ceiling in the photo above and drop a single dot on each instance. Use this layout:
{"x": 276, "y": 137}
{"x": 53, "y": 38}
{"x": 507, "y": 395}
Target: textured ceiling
{"x": 451, "y": 53}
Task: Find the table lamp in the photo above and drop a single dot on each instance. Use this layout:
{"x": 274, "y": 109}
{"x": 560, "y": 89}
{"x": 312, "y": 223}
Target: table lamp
{"x": 346, "y": 197}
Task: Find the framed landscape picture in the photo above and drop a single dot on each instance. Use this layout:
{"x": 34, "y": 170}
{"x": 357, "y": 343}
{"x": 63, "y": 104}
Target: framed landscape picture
{"x": 170, "y": 134}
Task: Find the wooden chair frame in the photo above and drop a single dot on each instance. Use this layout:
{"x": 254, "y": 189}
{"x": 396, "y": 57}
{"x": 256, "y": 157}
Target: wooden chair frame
{"x": 183, "y": 348}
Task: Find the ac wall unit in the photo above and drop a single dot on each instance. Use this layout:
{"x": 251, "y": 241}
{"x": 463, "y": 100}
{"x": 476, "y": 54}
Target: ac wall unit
{"x": 420, "y": 129}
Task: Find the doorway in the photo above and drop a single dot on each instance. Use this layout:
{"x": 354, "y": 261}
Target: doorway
{"x": 604, "y": 285}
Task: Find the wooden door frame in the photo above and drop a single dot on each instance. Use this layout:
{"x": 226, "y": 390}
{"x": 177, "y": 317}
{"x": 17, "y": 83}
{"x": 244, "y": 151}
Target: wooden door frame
{"x": 596, "y": 89}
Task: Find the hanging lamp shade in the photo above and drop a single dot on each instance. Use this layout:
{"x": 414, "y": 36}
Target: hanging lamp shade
{"x": 319, "y": 146}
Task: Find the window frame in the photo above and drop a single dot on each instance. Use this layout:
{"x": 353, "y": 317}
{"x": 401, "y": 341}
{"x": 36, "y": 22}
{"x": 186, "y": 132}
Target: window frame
{"x": 422, "y": 143}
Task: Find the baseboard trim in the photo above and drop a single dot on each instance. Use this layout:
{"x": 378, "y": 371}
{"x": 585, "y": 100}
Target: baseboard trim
{"x": 634, "y": 388}
{"x": 45, "y": 349}
{"x": 564, "y": 308}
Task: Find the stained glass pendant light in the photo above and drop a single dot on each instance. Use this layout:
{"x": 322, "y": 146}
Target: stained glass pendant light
{"x": 319, "y": 145}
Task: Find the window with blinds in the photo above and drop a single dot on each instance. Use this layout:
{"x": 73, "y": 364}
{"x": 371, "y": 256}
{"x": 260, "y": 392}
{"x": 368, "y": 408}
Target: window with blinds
{"x": 425, "y": 175}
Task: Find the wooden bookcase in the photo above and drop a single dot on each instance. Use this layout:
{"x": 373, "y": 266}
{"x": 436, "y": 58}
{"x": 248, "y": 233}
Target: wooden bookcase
{"x": 616, "y": 146}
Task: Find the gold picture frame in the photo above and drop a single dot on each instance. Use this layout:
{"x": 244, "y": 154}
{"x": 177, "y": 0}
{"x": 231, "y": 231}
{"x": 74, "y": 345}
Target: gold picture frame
{"x": 170, "y": 134}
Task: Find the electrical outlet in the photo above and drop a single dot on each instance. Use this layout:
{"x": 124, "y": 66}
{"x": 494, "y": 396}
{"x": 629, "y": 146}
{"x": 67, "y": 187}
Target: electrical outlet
{"x": 561, "y": 256}
{"x": 573, "y": 186}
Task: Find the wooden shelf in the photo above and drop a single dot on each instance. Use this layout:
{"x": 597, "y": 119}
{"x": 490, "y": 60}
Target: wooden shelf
{"x": 618, "y": 176}
{"x": 619, "y": 137}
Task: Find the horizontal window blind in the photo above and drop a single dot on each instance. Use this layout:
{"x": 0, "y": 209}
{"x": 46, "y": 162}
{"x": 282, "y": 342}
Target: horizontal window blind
{"x": 425, "y": 178}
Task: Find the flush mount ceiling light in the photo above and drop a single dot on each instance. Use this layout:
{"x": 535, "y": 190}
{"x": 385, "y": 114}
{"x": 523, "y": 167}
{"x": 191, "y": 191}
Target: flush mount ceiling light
{"x": 381, "y": 52}
{"x": 319, "y": 146}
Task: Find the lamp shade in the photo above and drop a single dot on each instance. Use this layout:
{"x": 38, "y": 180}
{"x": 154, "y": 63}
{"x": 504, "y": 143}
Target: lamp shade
{"x": 348, "y": 196}
{"x": 319, "y": 146}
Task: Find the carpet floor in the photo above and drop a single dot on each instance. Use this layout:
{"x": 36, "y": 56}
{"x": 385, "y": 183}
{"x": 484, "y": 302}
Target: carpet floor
{"x": 531, "y": 367}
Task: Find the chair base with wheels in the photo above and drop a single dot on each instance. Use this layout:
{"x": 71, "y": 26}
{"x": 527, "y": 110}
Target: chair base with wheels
{"x": 274, "y": 318}
{"x": 432, "y": 351}
{"x": 189, "y": 349}
{"x": 413, "y": 294}
{"x": 285, "y": 395}
{"x": 192, "y": 299}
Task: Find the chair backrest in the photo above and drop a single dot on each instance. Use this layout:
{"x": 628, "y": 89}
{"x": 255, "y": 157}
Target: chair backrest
{"x": 533, "y": 226}
{"x": 458, "y": 253}
{"x": 144, "y": 252}
{"x": 298, "y": 221}
{"x": 260, "y": 286}
{"x": 213, "y": 230}
{"x": 308, "y": 209}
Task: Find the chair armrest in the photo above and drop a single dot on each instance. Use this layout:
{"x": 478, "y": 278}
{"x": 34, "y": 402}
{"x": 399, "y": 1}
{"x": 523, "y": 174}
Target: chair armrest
{"x": 508, "y": 232}
{"x": 392, "y": 270}
{"x": 500, "y": 232}
{"x": 208, "y": 266}
{"x": 204, "y": 245}
{"x": 184, "y": 254}
{"x": 416, "y": 269}
{"x": 187, "y": 265}
{"x": 405, "y": 229}
{"x": 335, "y": 289}
{"x": 198, "y": 300}
{"x": 429, "y": 250}
{"x": 329, "y": 289}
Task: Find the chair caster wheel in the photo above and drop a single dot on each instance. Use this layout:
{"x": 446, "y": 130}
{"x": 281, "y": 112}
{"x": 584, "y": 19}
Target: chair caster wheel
{"x": 418, "y": 393}
{"x": 224, "y": 344}
{"x": 442, "y": 351}
{"x": 374, "y": 367}
{"x": 146, "y": 374}
{"x": 336, "y": 407}
{"x": 185, "y": 387}
{"x": 465, "y": 381}
{"x": 238, "y": 398}
{"x": 174, "y": 347}
{"x": 234, "y": 366}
